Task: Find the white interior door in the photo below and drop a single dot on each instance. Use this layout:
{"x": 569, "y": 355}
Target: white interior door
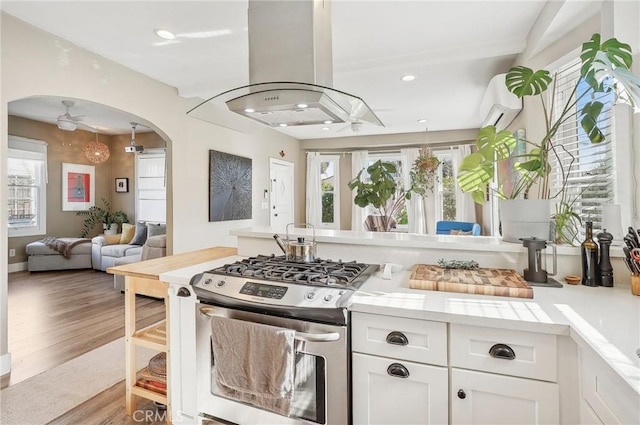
{"x": 281, "y": 194}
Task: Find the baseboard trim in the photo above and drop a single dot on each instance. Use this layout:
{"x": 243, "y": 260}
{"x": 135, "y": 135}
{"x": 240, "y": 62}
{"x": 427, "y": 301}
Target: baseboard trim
{"x": 17, "y": 267}
{"x": 5, "y": 363}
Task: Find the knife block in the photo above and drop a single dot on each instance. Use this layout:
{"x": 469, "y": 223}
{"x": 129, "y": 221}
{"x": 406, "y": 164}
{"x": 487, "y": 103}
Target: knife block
{"x": 635, "y": 284}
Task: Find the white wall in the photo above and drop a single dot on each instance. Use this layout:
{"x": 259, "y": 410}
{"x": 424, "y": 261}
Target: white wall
{"x": 36, "y": 63}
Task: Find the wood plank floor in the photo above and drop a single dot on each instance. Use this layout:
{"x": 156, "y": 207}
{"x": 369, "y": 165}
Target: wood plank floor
{"x": 108, "y": 408}
{"x": 57, "y": 316}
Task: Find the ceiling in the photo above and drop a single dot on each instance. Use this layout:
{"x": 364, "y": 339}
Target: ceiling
{"x": 452, "y": 47}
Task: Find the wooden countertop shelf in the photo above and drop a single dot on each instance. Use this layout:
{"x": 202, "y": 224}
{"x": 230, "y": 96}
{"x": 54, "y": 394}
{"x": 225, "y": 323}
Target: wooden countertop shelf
{"x": 143, "y": 278}
{"x": 153, "y": 336}
{"x": 152, "y": 269}
{"x": 149, "y": 394}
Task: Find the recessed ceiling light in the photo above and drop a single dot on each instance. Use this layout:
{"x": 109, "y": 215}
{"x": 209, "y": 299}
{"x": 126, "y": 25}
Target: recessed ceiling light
{"x": 166, "y": 34}
{"x": 283, "y": 125}
{"x": 249, "y": 110}
{"x": 302, "y": 105}
{"x": 408, "y": 77}
{"x": 326, "y": 128}
{"x": 421, "y": 120}
{"x": 328, "y": 122}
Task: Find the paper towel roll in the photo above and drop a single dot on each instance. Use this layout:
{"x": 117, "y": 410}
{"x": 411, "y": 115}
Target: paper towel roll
{"x": 612, "y": 221}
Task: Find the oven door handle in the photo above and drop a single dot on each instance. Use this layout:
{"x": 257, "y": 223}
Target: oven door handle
{"x": 300, "y": 336}
{"x": 306, "y": 337}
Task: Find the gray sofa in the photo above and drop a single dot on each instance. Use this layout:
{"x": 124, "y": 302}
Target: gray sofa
{"x": 42, "y": 258}
{"x": 154, "y": 247}
{"x": 104, "y": 254}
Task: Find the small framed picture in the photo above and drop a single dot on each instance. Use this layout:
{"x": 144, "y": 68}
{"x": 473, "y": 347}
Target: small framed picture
{"x": 122, "y": 184}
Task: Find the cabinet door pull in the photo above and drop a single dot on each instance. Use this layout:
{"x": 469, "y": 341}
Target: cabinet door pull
{"x": 461, "y": 394}
{"x": 502, "y": 351}
{"x": 397, "y": 338}
{"x": 397, "y": 370}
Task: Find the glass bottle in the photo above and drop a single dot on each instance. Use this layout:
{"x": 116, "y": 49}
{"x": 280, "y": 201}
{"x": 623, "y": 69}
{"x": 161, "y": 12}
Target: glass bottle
{"x": 589, "y": 254}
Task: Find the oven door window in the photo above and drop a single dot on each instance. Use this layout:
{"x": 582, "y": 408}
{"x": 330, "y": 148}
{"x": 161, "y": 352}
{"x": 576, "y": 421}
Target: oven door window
{"x": 309, "y": 394}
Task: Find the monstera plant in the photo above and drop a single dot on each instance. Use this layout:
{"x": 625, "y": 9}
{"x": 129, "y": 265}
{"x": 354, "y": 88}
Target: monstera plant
{"x": 605, "y": 68}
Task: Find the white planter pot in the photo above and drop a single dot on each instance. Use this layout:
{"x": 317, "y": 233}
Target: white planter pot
{"x": 110, "y": 230}
{"x": 525, "y": 218}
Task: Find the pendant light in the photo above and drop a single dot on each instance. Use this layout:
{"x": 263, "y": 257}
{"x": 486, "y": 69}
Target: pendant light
{"x": 96, "y": 152}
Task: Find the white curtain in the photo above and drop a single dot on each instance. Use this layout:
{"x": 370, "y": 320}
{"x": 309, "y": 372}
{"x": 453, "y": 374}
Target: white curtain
{"x": 358, "y": 215}
{"x": 314, "y": 205}
{"x": 465, "y": 207}
{"x": 415, "y": 206}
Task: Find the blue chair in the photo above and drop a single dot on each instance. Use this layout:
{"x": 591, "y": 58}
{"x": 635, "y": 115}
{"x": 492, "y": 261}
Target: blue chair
{"x": 445, "y": 227}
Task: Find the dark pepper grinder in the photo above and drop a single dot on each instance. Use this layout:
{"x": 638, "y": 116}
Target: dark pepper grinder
{"x": 606, "y": 269}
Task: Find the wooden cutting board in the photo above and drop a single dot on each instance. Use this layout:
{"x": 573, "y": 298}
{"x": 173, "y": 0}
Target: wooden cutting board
{"x": 500, "y": 282}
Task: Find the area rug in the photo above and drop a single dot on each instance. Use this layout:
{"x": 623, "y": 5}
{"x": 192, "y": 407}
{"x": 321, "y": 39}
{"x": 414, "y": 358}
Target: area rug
{"x": 44, "y": 397}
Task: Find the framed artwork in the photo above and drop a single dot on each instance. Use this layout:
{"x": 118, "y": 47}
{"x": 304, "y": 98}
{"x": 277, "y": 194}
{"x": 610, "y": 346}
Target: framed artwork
{"x": 122, "y": 184}
{"x": 229, "y": 187}
{"x": 78, "y": 187}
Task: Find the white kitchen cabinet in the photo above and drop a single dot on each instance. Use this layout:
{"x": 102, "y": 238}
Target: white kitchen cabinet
{"x": 611, "y": 399}
{"x": 487, "y": 398}
{"x": 588, "y": 416}
{"x": 396, "y": 392}
{"x": 399, "y": 371}
{"x": 513, "y": 376}
{"x": 507, "y": 352}
{"x": 416, "y": 340}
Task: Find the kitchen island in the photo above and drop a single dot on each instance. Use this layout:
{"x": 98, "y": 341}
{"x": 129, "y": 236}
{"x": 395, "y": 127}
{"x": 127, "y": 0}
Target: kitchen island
{"x": 577, "y": 344}
{"x": 408, "y": 249}
{"x": 143, "y": 278}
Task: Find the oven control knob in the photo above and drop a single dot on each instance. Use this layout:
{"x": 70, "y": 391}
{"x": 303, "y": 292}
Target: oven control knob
{"x": 220, "y": 283}
{"x": 310, "y": 295}
{"x": 328, "y": 298}
{"x": 208, "y": 281}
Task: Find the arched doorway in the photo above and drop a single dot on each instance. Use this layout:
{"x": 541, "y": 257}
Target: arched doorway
{"x": 37, "y": 118}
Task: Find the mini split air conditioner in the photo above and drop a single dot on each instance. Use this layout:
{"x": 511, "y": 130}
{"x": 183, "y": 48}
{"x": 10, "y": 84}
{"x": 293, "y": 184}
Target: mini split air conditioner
{"x": 499, "y": 106}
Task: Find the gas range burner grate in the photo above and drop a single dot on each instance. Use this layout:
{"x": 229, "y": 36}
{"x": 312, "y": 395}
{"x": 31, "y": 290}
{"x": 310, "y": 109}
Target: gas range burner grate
{"x": 277, "y": 268}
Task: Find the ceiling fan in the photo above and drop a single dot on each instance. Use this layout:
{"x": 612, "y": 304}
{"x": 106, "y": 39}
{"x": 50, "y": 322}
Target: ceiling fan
{"x": 67, "y": 121}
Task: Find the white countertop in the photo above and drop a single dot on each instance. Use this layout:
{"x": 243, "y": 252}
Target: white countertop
{"x": 405, "y": 240}
{"x": 605, "y": 319}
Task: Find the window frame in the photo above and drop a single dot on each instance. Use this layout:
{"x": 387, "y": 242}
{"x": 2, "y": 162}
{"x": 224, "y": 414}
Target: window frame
{"x": 388, "y": 157}
{"x": 150, "y": 154}
{"x": 336, "y": 191}
{"x": 570, "y": 67}
{"x": 443, "y": 155}
{"x": 23, "y": 148}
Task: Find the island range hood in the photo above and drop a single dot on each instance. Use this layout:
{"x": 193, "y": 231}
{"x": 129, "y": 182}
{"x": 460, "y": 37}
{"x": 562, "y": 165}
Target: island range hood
{"x": 290, "y": 70}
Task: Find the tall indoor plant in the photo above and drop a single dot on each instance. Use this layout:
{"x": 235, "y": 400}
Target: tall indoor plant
{"x": 386, "y": 194}
{"x": 605, "y": 67}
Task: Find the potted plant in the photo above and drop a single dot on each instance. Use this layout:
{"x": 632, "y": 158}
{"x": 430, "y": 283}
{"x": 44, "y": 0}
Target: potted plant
{"x": 95, "y": 215}
{"x": 386, "y": 194}
{"x": 424, "y": 173}
{"x": 605, "y": 67}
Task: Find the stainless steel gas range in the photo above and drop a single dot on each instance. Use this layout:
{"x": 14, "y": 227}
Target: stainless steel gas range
{"x": 308, "y": 298}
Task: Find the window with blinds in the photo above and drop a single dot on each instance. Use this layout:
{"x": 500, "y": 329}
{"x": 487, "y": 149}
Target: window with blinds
{"x": 589, "y": 166}
{"x": 27, "y": 191}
